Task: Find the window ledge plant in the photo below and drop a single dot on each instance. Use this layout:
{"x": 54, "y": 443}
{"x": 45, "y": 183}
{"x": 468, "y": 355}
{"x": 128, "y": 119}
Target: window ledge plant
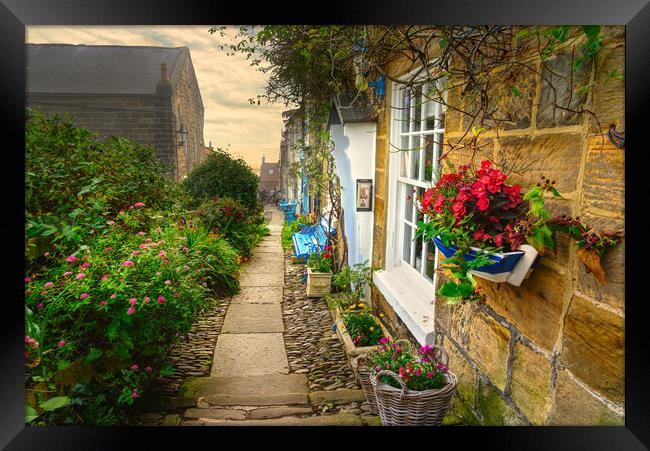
{"x": 480, "y": 216}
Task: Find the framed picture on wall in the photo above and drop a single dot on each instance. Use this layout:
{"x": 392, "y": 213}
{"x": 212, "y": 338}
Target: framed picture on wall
{"x": 364, "y": 194}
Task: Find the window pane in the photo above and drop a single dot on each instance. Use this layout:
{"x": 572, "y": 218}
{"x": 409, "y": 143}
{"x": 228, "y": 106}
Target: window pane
{"x": 417, "y": 106}
{"x": 415, "y": 159}
{"x": 406, "y": 254}
{"x": 428, "y": 158}
{"x": 406, "y": 111}
{"x": 441, "y": 121}
{"x": 405, "y": 156}
{"x": 419, "y": 216}
{"x": 408, "y": 203}
{"x": 417, "y": 261}
{"x": 431, "y": 257}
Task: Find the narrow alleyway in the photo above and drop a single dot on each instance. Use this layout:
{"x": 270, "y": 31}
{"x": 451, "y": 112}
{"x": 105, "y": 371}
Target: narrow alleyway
{"x": 263, "y": 373}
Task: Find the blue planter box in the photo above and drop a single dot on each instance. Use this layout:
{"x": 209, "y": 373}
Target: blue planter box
{"x": 512, "y": 267}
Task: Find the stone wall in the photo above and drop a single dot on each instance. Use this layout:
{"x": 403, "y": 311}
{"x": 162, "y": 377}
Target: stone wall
{"x": 146, "y": 119}
{"x": 550, "y": 352}
{"x": 188, "y": 110}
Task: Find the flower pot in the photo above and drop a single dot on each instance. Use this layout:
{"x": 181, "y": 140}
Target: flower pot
{"x": 404, "y": 407}
{"x": 512, "y": 267}
{"x": 318, "y": 283}
{"x": 350, "y": 348}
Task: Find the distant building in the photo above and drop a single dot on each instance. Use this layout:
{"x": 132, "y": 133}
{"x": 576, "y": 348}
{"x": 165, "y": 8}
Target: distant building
{"x": 146, "y": 94}
{"x": 269, "y": 176}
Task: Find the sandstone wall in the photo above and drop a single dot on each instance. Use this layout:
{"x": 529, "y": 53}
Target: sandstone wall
{"x": 552, "y": 350}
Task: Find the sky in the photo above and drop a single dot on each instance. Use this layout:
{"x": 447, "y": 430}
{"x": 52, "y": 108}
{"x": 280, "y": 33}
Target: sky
{"x": 226, "y": 82}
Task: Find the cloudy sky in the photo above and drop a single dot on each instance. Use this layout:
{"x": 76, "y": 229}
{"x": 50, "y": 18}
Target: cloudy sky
{"x": 226, "y": 82}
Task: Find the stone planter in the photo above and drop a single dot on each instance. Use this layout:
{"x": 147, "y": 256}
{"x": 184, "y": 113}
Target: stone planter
{"x": 318, "y": 283}
{"x": 512, "y": 267}
{"x": 350, "y": 349}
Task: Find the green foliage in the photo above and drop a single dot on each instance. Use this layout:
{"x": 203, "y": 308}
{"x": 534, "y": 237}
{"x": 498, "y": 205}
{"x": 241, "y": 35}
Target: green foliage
{"x": 320, "y": 261}
{"x": 288, "y": 229}
{"x": 74, "y": 181}
{"x": 221, "y": 175}
{"x": 354, "y": 279}
{"x": 363, "y": 328}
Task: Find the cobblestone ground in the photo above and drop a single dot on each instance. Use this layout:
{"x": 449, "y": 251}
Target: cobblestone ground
{"x": 312, "y": 347}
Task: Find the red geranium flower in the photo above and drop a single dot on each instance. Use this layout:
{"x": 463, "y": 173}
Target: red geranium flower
{"x": 440, "y": 201}
{"x": 478, "y": 188}
{"x": 458, "y": 209}
{"x": 483, "y": 203}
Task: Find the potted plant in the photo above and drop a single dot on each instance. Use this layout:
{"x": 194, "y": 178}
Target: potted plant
{"x": 359, "y": 330}
{"x": 319, "y": 272}
{"x": 411, "y": 388}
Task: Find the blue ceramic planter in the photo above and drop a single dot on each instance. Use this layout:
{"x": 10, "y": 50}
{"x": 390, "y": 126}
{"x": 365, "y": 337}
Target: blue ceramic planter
{"x": 512, "y": 267}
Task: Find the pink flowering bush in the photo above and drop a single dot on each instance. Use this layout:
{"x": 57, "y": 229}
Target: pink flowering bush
{"x": 98, "y": 332}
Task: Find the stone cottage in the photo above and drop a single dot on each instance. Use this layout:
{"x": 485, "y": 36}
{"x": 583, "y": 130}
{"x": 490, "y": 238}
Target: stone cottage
{"x": 551, "y": 351}
{"x": 147, "y": 94}
{"x": 269, "y": 176}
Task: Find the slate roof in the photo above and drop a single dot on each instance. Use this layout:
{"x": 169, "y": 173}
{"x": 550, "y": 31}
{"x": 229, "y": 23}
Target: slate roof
{"x": 351, "y": 109}
{"x": 100, "y": 69}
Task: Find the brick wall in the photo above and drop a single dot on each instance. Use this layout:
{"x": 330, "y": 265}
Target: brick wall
{"x": 552, "y": 350}
{"x": 145, "y": 119}
{"x": 188, "y": 110}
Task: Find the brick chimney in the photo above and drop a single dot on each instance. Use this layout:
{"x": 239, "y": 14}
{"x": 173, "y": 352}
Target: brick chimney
{"x": 164, "y": 86}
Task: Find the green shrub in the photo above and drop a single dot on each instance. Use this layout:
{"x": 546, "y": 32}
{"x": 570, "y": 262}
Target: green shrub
{"x": 288, "y": 229}
{"x": 74, "y": 181}
{"x": 103, "y": 318}
{"x": 221, "y": 175}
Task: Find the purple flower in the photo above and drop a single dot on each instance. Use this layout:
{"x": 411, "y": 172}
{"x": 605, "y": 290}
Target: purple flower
{"x": 28, "y": 279}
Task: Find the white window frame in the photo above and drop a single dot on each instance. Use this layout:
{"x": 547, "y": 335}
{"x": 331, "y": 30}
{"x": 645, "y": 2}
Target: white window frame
{"x": 409, "y": 292}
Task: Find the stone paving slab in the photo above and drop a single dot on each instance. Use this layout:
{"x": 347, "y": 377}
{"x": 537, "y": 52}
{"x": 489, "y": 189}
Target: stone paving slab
{"x": 341, "y": 419}
{"x": 260, "y": 280}
{"x": 216, "y": 413}
{"x": 253, "y": 318}
{"x": 256, "y": 390}
{"x": 265, "y": 267}
{"x": 277, "y": 412}
{"x": 258, "y": 295}
{"x": 336, "y": 396}
{"x": 250, "y": 354}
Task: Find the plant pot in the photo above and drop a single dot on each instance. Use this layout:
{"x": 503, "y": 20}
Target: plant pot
{"x": 364, "y": 374}
{"x": 318, "y": 283}
{"x": 404, "y": 407}
{"x": 512, "y": 267}
{"x": 350, "y": 348}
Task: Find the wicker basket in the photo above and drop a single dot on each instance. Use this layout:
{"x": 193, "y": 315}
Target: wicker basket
{"x": 404, "y": 407}
{"x": 364, "y": 374}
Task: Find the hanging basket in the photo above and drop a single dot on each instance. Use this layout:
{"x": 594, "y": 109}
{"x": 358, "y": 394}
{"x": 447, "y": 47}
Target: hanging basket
{"x": 404, "y": 407}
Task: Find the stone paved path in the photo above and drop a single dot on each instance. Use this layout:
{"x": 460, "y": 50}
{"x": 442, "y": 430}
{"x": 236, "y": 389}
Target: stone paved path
{"x": 251, "y": 382}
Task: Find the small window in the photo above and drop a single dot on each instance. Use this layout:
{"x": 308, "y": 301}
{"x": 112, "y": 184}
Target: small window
{"x": 270, "y": 171}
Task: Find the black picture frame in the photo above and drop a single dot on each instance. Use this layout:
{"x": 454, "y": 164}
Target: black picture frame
{"x": 364, "y": 195}
{"x": 16, "y": 14}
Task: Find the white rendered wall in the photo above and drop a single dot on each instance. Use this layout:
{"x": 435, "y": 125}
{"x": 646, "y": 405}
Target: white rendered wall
{"x": 354, "y": 152}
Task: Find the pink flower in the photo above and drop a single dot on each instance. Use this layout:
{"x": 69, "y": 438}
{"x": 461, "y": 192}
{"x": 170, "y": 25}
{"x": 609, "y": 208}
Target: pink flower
{"x": 176, "y": 295}
{"x": 134, "y": 393}
{"x": 138, "y": 204}
{"x": 161, "y": 241}
{"x": 120, "y": 212}
{"x": 110, "y": 222}
{"x": 67, "y": 273}
{"x": 133, "y": 301}
{"x": 148, "y": 240}
{"x": 85, "y": 265}
{"x": 127, "y": 263}
{"x": 162, "y": 254}
{"x": 184, "y": 238}
{"x": 134, "y": 253}
{"x": 186, "y": 268}
{"x": 131, "y": 207}
{"x": 141, "y": 233}
{"x": 134, "y": 367}
{"x": 40, "y": 305}
{"x": 48, "y": 284}
{"x": 148, "y": 369}
{"x": 80, "y": 276}
{"x": 113, "y": 296}
{"x": 130, "y": 311}
{"x": 103, "y": 303}
{"x": 146, "y": 299}
{"x": 161, "y": 299}
{"x": 168, "y": 282}
{"x": 84, "y": 295}
{"x": 28, "y": 279}
{"x": 47, "y": 254}
{"x": 72, "y": 259}
{"x": 61, "y": 343}
{"x": 108, "y": 249}
{"x": 104, "y": 277}
{"x": 158, "y": 273}
{"x": 144, "y": 246}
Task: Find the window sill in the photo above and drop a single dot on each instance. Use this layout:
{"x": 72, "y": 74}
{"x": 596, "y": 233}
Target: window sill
{"x": 411, "y": 298}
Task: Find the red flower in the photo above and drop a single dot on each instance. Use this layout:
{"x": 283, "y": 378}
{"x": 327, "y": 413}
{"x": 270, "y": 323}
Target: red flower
{"x": 440, "y": 201}
{"x": 465, "y": 194}
{"x": 480, "y": 235}
{"x": 478, "y": 188}
{"x": 498, "y": 239}
{"x": 458, "y": 209}
{"x": 426, "y": 199}
{"x": 483, "y": 203}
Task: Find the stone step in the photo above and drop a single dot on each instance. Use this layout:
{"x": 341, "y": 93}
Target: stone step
{"x": 257, "y": 390}
{"x": 253, "y": 318}
{"x": 340, "y": 396}
{"x": 246, "y": 354}
{"x": 341, "y": 419}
